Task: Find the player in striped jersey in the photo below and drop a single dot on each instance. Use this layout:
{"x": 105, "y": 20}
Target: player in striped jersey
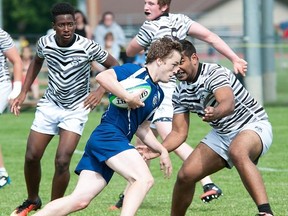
{"x": 10, "y": 52}
{"x": 64, "y": 108}
{"x": 240, "y": 134}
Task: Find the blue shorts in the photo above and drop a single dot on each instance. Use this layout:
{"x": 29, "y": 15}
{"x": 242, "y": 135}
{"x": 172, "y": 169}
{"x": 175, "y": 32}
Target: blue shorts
{"x": 105, "y": 142}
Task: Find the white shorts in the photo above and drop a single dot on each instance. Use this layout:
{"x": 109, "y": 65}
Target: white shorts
{"x": 5, "y": 89}
{"x": 220, "y": 144}
{"x": 165, "y": 110}
{"x": 49, "y": 118}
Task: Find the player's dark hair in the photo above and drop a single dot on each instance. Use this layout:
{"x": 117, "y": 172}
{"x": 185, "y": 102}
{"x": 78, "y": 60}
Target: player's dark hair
{"x": 188, "y": 48}
{"x": 61, "y": 9}
{"x": 162, "y": 48}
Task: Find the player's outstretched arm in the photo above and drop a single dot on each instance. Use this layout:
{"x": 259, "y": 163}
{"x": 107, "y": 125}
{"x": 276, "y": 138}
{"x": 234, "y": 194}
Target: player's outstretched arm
{"x": 147, "y": 137}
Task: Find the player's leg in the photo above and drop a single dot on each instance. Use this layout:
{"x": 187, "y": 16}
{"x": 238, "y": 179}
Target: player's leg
{"x": 133, "y": 168}
{"x": 211, "y": 191}
{"x": 67, "y": 143}
{"x": 36, "y": 145}
{"x": 119, "y": 203}
{"x": 4, "y": 177}
{"x": 89, "y": 185}
{"x": 244, "y": 151}
{"x": 194, "y": 168}
{"x": 71, "y": 127}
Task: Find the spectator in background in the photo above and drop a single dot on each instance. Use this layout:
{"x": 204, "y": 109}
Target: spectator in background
{"x": 82, "y": 26}
{"x": 8, "y": 51}
{"x": 108, "y": 24}
{"x": 111, "y": 46}
{"x": 26, "y": 56}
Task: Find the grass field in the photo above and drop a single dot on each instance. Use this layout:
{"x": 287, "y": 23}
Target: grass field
{"x": 273, "y": 166}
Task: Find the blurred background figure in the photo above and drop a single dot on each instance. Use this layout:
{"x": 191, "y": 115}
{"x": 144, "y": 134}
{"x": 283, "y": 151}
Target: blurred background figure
{"x": 140, "y": 58}
{"x": 111, "y": 46}
{"x": 26, "y": 56}
{"x": 82, "y": 26}
{"x": 108, "y": 24}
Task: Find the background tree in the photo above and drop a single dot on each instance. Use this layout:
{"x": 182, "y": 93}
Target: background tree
{"x": 28, "y": 17}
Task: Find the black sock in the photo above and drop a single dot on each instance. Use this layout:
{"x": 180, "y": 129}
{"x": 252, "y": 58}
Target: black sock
{"x": 265, "y": 208}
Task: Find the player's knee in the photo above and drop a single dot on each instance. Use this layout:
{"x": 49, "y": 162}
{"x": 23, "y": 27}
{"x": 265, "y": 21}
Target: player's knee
{"x": 62, "y": 165}
{"x": 185, "y": 177}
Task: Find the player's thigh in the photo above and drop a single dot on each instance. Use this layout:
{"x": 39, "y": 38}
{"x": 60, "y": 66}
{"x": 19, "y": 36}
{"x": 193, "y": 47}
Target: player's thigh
{"x": 89, "y": 184}
{"x": 37, "y": 143}
{"x": 201, "y": 162}
{"x": 130, "y": 165}
{"x": 68, "y": 142}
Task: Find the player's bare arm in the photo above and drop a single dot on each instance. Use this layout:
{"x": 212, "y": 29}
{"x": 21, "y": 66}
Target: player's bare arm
{"x": 179, "y": 132}
{"x": 147, "y": 137}
{"x": 94, "y": 98}
{"x": 225, "y": 99}
{"x": 133, "y": 48}
{"x": 108, "y": 80}
{"x": 32, "y": 73}
{"x": 202, "y": 33}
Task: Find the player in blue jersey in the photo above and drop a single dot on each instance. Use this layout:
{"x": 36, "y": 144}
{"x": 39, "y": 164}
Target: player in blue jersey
{"x": 64, "y": 108}
{"x": 240, "y": 135}
{"x": 109, "y": 147}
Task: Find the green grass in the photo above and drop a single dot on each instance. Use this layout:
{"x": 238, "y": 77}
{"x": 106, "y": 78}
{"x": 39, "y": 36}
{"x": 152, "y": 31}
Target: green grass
{"x": 236, "y": 201}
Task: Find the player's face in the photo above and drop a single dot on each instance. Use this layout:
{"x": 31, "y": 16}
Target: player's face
{"x": 65, "y": 27}
{"x": 187, "y": 68}
{"x": 152, "y": 9}
{"x": 169, "y": 67}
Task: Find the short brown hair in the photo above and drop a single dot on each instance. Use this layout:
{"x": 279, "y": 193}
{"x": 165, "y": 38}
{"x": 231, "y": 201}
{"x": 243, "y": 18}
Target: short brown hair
{"x": 162, "y": 48}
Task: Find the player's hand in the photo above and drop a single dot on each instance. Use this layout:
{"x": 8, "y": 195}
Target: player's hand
{"x": 240, "y": 66}
{"x": 94, "y": 98}
{"x": 209, "y": 114}
{"x": 16, "y": 103}
{"x": 134, "y": 100}
{"x": 165, "y": 163}
{"x": 147, "y": 152}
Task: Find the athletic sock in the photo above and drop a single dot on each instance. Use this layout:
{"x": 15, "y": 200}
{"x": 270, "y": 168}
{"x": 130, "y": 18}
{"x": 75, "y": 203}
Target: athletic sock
{"x": 265, "y": 208}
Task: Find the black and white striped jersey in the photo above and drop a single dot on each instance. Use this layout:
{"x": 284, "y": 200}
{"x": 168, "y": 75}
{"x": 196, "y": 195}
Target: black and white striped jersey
{"x": 170, "y": 25}
{"x": 69, "y": 68}
{"x": 6, "y": 42}
{"x": 195, "y": 96}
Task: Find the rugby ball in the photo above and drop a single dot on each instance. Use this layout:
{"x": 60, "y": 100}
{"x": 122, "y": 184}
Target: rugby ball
{"x": 131, "y": 85}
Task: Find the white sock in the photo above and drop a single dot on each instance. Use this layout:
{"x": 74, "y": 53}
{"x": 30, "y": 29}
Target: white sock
{"x": 3, "y": 170}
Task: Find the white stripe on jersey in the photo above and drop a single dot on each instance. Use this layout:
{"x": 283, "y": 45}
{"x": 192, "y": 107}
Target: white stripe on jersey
{"x": 192, "y": 97}
{"x": 69, "y": 69}
{"x": 6, "y": 42}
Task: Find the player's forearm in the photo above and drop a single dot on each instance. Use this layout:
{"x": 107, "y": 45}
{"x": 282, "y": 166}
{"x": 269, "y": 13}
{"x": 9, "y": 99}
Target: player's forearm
{"x": 174, "y": 140}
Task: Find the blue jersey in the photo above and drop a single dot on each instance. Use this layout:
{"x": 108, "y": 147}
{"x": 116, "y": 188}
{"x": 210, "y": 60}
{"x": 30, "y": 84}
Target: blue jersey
{"x": 127, "y": 121}
{"x": 118, "y": 125}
